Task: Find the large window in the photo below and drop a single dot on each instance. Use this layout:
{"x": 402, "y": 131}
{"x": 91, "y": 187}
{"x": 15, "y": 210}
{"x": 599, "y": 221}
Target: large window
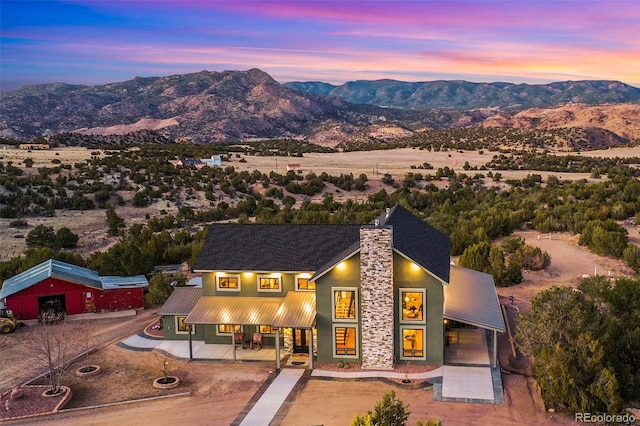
{"x": 181, "y": 327}
{"x": 345, "y": 341}
{"x": 266, "y": 329}
{"x": 345, "y": 304}
{"x": 269, "y": 283}
{"x": 228, "y": 329}
{"x": 412, "y": 305}
{"x": 227, "y": 282}
{"x": 413, "y": 343}
{"x": 303, "y": 283}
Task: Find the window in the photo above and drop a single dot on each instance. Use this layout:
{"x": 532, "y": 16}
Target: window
{"x": 226, "y": 282}
{"x": 266, "y": 329}
{"x": 303, "y": 283}
{"x": 345, "y": 304}
{"x": 345, "y": 341}
{"x": 181, "y": 327}
{"x": 228, "y": 329}
{"x": 412, "y": 305}
{"x": 413, "y": 343}
{"x": 269, "y": 282}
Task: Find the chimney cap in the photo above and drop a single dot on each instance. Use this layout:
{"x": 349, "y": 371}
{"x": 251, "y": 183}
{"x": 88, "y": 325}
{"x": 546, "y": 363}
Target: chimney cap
{"x": 376, "y": 222}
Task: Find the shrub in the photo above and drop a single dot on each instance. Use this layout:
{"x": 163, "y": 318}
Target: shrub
{"x": 389, "y": 411}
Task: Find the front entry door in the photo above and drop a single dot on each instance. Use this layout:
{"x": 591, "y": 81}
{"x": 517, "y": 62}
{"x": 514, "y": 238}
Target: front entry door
{"x": 300, "y": 340}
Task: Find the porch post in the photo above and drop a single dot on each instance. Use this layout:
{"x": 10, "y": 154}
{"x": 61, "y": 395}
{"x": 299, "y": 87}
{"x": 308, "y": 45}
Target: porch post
{"x": 277, "y": 349}
{"x": 233, "y": 341}
{"x": 495, "y": 349}
{"x": 190, "y": 345}
{"x": 311, "y": 348}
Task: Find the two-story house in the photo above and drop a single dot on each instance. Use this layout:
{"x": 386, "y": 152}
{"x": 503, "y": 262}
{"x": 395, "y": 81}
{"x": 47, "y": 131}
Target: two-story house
{"x": 374, "y": 294}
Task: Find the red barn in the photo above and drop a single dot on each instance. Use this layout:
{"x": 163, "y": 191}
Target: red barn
{"x": 71, "y": 289}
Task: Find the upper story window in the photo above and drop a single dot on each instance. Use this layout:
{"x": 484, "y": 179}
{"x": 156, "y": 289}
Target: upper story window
{"x": 228, "y": 282}
{"x": 412, "y": 306}
{"x": 272, "y": 282}
{"x": 303, "y": 283}
{"x": 345, "y": 304}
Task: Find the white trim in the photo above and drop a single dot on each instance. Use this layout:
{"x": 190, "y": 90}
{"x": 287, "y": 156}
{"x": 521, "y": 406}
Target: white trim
{"x": 178, "y": 331}
{"x": 357, "y": 340}
{"x": 269, "y": 290}
{"x": 333, "y": 304}
{"x": 401, "y": 301}
{"x": 443, "y": 282}
{"x": 424, "y": 342}
{"x": 317, "y": 275}
{"x": 227, "y": 275}
{"x": 306, "y": 276}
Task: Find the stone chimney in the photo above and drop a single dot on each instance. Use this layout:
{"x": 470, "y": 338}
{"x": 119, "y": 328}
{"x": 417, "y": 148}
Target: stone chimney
{"x": 376, "y": 299}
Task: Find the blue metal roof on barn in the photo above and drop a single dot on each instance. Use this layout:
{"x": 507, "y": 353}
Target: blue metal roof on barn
{"x": 67, "y": 272}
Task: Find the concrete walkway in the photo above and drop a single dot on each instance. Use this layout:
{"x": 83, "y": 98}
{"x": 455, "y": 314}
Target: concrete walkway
{"x": 272, "y": 399}
{"x": 460, "y": 383}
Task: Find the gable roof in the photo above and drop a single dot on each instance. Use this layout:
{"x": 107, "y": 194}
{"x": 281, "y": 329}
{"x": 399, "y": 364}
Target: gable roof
{"x": 273, "y": 247}
{"x": 318, "y": 247}
{"x": 471, "y": 297}
{"x": 419, "y": 241}
{"x": 72, "y": 273}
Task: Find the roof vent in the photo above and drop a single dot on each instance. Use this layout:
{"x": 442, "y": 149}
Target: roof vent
{"x": 376, "y": 222}
{"x": 387, "y": 214}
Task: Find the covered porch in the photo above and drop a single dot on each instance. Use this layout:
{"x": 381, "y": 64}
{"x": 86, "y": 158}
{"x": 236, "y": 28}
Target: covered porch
{"x": 472, "y": 318}
{"x": 295, "y": 311}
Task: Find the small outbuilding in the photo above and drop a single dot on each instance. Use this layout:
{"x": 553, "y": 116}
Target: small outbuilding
{"x": 70, "y": 289}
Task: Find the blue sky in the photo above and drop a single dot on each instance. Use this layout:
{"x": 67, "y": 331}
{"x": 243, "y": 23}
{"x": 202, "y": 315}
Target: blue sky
{"x": 97, "y": 42}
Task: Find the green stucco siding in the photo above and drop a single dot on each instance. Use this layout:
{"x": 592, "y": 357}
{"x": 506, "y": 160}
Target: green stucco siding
{"x": 169, "y": 330}
{"x": 248, "y": 285}
{"x": 407, "y": 276}
{"x": 349, "y": 277}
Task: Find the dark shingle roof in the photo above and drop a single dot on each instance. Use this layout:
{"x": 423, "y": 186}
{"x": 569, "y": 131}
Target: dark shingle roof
{"x": 274, "y": 247}
{"x": 419, "y": 241}
{"x": 314, "y": 247}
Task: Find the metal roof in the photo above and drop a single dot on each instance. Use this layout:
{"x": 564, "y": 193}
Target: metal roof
{"x": 471, "y": 298}
{"x": 181, "y": 301}
{"x": 136, "y": 281}
{"x": 298, "y": 310}
{"x": 72, "y": 273}
{"x": 234, "y": 310}
{"x": 50, "y": 269}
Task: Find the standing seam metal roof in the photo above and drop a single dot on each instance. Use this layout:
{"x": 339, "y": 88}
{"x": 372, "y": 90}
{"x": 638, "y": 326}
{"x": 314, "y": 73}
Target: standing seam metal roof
{"x": 471, "y": 297}
{"x": 65, "y": 271}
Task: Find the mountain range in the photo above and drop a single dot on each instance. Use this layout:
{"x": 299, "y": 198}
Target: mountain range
{"x": 463, "y": 94}
{"x": 208, "y": 107}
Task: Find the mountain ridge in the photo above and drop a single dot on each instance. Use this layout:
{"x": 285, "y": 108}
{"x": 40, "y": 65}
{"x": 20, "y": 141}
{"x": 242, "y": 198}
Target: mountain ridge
{"x": 209, "y": 107}
{"x": 465, "y": 94}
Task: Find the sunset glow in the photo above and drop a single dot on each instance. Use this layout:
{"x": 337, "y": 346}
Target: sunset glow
{"x": 97, "y": 42}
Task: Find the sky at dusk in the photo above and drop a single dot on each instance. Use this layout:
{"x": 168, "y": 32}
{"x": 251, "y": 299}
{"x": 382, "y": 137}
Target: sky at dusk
{"x": 97, "y": 42}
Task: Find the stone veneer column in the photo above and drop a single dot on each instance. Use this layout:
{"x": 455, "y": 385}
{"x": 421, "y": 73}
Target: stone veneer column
{"x": 376, "y": 297}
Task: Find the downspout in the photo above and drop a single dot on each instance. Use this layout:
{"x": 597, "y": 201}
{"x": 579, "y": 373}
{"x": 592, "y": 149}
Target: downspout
{"x": 190, "y": 344}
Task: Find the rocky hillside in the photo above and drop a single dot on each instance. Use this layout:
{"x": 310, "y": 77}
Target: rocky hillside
{"x": 208, "y": 107}
{"x": 200, "y": 107}
{"x": 463, "y": 94}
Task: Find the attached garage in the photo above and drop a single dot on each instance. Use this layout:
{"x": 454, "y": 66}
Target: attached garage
{"x": 55, "y": 286}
